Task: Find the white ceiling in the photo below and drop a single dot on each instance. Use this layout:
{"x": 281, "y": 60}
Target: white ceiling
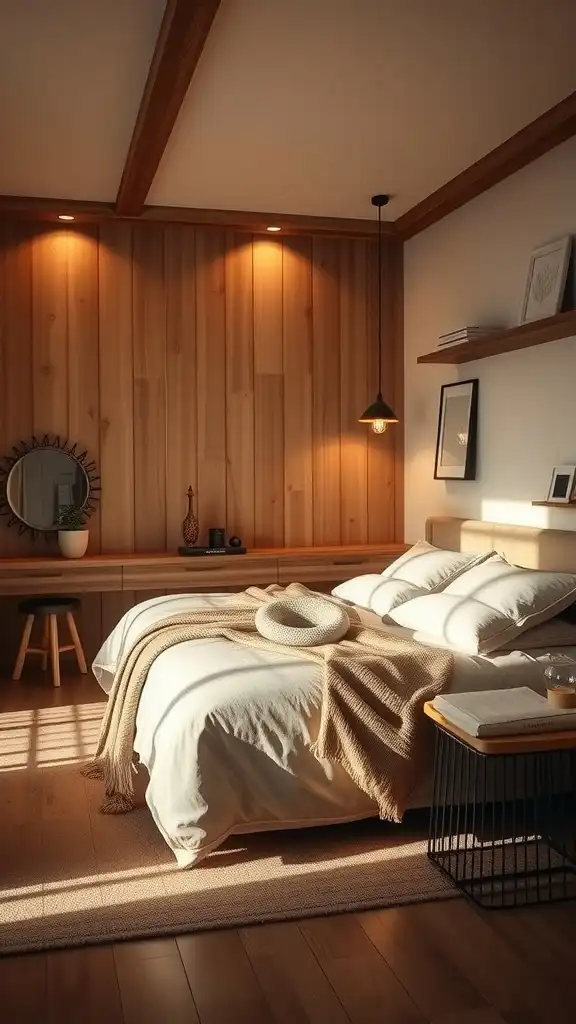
{"x": 71, "y": 79}
{"x": 297, "y": 106}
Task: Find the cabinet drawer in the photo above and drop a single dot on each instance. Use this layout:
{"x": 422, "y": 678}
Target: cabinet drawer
{"x": 336, "y": 568}
{"x": 68, "y": 579}
{"x": 212, "y": 571}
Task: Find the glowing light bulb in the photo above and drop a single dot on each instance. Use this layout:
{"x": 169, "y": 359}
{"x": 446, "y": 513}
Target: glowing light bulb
{"x": 65, "y": 216}
{"x": 379, "y": 426}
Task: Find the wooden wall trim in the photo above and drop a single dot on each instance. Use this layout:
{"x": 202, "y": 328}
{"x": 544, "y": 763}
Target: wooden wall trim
{"x": 545, "y": 133}
{"x": 183, "y": 33}
{"x": 290, "y": 223}
{"x": 37, "y": 208}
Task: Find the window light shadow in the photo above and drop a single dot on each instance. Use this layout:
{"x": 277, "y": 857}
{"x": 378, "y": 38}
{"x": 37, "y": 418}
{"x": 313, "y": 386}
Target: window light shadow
{"x": 44, "y": 737}
{"x": 126, "y": 910}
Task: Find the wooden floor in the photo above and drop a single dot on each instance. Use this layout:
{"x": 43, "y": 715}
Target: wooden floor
{"x": 441, "y": 963}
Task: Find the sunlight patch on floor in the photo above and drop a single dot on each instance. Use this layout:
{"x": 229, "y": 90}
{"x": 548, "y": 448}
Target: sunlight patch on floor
{"x": 46, "y": 737}
{"x": 109, "y": 889}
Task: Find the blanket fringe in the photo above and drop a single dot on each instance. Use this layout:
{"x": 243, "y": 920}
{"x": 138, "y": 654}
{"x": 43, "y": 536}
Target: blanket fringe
{"x": 117, "y": 803}
{"x": 93, "y": 769}
{"x": 378, "y": 789}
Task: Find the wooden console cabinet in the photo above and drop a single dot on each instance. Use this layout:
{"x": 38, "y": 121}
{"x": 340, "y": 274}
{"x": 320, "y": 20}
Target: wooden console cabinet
{"x": 133, "y": 573}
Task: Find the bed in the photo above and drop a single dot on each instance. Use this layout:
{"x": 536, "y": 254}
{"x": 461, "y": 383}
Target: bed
{"x": 224, "y": 731}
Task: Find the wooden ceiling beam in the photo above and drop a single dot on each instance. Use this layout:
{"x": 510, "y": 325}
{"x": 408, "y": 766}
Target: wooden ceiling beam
{"x": 183, "y": 34}
{"x": 545, "y": 133}
{"x": 36, "y": 208}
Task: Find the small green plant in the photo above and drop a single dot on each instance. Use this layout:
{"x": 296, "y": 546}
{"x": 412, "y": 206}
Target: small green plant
{"x": 71, "y": 518}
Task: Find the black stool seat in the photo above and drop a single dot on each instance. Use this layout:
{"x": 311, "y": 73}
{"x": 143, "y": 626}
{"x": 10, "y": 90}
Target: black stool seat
{"x": 48, "y": 608}
{"x": 50, "y": 604}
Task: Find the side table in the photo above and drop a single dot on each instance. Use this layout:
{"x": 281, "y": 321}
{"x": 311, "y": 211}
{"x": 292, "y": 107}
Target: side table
{"x": 503, "y": 814}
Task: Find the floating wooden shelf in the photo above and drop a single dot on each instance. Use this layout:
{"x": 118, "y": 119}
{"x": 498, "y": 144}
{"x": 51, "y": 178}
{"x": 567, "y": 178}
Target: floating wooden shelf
{"x": 552, "y": 328}
{"x": 556, "y": 504}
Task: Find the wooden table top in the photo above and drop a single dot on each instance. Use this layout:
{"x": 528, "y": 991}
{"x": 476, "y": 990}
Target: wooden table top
{"x": 522, "y": 743}
{"x": 344, "y": 551}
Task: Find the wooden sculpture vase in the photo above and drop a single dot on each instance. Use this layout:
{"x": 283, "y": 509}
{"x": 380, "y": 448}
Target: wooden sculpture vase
{"x": 190, "y": 524}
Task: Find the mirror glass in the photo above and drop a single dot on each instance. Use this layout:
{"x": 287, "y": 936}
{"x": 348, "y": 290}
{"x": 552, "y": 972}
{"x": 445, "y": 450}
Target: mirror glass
{"x": 44, "y": 481}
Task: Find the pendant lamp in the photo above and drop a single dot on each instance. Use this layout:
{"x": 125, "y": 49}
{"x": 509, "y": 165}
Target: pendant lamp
{"x": 379, "y": 414}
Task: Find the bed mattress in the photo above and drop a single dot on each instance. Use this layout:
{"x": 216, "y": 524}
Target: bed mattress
{"x": 225, "y": 731}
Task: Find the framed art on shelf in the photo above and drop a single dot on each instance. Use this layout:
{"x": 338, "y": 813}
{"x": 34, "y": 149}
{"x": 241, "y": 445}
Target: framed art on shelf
{"x": 457, "y": 431}
{"x": 562, "y": 484}
{"x": 546, "y": 280}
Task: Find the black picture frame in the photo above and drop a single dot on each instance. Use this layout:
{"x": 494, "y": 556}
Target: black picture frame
{"x": 465, "y": 414}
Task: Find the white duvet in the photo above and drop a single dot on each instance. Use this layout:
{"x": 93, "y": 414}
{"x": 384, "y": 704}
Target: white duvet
{"x": 225, "y": 732}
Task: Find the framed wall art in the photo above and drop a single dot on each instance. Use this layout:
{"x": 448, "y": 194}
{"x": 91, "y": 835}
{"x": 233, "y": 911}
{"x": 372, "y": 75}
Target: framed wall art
{"x": 546, "y": 280}
{"x": 562, "y": 484}
{"x": 457, "y": 432}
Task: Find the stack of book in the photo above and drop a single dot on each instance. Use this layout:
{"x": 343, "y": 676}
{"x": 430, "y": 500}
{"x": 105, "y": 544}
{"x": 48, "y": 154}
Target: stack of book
{"x": 503, "y": 712}
{"x": 466, "y": 334}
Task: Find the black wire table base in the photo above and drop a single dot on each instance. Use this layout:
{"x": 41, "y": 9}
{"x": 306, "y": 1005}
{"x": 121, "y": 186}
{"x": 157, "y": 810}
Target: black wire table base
{"x": 503, "y": 826}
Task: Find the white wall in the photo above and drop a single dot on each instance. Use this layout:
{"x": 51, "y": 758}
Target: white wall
{"x": 471, "y": 268}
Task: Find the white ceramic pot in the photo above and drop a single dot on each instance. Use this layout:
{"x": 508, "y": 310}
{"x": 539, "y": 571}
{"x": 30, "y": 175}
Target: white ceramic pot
{"x": 73, "y": 543}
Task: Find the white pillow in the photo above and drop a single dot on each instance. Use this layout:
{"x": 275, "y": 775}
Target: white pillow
{"x": 554, "y": 633}
{"x": 418, "y": 571}
{"x": 432, "y": 568}
{"x": 488, "y": 606}
{"x": 372, "y": 592}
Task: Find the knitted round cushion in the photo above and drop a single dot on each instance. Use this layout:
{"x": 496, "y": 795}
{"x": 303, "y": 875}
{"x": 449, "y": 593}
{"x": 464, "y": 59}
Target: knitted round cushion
{"x": 302, "y": 621}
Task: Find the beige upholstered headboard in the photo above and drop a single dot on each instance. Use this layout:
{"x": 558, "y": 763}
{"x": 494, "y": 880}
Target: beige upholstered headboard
{"x": 527, "y": 546}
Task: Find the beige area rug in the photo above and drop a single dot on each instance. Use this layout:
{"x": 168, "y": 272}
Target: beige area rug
{"x": 70, "y": 875}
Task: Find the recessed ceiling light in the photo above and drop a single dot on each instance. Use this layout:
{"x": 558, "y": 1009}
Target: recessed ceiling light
{"x": 65, "y": 216}
{"x": 273, "y": 228}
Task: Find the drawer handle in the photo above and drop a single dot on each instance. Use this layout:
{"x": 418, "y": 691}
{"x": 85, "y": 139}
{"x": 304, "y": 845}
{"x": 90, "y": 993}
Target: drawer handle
{"x": 349, "y": 561}
{"x": 43, "y": 575}
{"x": 204, "y": 568}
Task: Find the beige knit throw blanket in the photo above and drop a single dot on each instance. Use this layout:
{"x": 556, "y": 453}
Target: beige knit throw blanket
{"x": 374, "y": 685}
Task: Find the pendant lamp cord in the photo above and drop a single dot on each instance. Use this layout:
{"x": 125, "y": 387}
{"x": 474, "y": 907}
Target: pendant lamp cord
{"x": 380, "y": 303}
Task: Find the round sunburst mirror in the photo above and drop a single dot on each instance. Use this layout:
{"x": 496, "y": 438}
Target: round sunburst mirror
{"x": 42, "y": 478}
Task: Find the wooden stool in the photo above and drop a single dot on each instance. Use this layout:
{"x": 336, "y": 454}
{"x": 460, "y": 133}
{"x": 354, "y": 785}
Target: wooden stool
{"x": 50, "y": 608}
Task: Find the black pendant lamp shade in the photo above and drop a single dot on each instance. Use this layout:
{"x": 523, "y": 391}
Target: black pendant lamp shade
{"x": 379, "y": 410}
{"x": 379, "y": 414}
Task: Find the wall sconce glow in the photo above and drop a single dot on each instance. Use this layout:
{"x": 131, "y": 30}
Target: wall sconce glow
{"x": 65, "y": 216}
{"x": 273, "y": 228}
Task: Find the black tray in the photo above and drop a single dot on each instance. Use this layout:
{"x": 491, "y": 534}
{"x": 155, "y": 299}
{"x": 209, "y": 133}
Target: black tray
{"x": 211, "y": 551}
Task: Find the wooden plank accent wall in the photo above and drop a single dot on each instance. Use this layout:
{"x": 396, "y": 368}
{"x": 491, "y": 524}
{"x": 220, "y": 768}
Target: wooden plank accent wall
{"x": 353, "y": 378}
{"x": 298, "y": 393}
{"x": 116, "y": 387}
{"x": 177, "y": 355}
{"x": 326, "y": 364}
{"x": 268, "y": 393}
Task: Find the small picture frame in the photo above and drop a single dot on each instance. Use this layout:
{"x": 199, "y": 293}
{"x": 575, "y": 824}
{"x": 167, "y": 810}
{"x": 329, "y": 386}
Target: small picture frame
{"x": 546, "y": 280}
{"x": 562, "y": 484}
{"x": 457, "y": 431}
